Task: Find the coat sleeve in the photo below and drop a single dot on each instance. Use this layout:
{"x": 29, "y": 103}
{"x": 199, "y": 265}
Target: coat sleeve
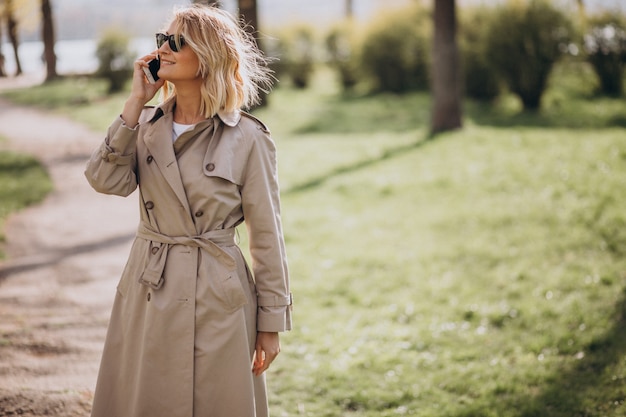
{"x": 112, "y": 166}
{"x": 261, "y": 209}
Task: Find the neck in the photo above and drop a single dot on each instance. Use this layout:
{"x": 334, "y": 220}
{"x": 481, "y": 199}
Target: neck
{"x": 187, "y": 109}
{"x": 187, "y": 116}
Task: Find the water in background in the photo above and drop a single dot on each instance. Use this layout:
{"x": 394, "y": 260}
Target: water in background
{"x": 73, "y": 57}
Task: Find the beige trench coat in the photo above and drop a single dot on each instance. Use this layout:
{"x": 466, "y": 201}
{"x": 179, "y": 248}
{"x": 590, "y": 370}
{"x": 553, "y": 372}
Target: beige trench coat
{"x": 187, "y": 309}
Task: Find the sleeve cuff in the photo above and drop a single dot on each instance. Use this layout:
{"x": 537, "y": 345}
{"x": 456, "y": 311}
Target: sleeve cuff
{"x": 274, "y": 319}
{"x": 119, "y": 146}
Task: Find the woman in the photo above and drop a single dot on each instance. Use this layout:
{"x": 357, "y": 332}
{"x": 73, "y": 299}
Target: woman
{"x": 192, "y": 328}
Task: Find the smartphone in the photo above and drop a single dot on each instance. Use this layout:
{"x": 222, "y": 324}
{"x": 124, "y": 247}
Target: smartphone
{"x": 151, "y": 70}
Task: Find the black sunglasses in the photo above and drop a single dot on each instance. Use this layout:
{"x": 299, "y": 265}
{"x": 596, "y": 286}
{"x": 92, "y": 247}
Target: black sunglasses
{"x": 161, "y": 38}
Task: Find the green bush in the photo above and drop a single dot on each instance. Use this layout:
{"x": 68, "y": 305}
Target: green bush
{"x": 524, "y": 41}
{"x": 115, "y": 59}
{"x": 295, "y": 49}
{"x": 396, "y": 50}
{"x": 480, "y": 80}
{"x": 605, "y": 45}
{"x": 342, "y": 47}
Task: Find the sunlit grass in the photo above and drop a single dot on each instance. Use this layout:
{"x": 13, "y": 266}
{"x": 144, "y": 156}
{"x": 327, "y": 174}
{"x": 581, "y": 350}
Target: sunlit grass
{"x": 475, "y": 272}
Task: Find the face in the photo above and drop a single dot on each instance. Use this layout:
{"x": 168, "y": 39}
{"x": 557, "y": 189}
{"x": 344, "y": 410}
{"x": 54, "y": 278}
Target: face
{"x": 178, "y": 66}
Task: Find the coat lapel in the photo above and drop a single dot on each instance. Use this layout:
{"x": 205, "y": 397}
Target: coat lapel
{"x": 158, "y": 141}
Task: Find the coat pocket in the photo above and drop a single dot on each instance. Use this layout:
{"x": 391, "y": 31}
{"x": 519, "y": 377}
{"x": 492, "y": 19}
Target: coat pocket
{"x": 234, "y": 295}
{"x": 219, "y": 287}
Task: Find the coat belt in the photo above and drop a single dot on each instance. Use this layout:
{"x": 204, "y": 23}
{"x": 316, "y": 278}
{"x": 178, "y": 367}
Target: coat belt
{"x": 212, "y": 242}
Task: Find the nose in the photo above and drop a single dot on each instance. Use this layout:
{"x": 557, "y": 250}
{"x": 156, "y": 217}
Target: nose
{"x": 164, "y": 48}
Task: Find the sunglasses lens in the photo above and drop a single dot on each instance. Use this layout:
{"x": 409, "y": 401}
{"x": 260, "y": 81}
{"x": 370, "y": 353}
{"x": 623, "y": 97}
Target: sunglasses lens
{"x": 173, "y": 46}
{"x": 172, "y": 42}
{"x": 161, "y": 38}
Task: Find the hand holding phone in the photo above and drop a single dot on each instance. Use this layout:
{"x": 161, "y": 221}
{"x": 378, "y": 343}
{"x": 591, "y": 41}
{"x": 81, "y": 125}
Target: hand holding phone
{"x": 151, "y": 70}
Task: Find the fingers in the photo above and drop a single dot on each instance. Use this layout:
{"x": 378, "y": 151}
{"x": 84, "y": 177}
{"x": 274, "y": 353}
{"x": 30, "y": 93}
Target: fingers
{"x": 259, "y": 364}
{"x": 267, "y": 349}
{"x": 141, "y": 87}
{"x": 143, "y": 61}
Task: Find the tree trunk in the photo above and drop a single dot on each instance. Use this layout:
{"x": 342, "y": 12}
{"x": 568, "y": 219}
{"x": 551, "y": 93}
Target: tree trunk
{"x": 48, "y": 40}
{"x": 12, "y": 32}
{"x": 349, "y": 9}
{"x": 446, "y": 87}
{"x": 3, "y": 72}
{"x": 249, "y": 13}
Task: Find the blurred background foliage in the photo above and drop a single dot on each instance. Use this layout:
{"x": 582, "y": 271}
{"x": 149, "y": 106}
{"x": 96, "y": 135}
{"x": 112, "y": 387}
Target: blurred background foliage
{"x": 605, "y": 46}
{"x": 115, "y": 58}
{"x": 508, "y": 47}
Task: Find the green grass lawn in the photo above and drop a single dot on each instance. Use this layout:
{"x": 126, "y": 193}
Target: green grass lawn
{"x": 23, "y": 181}
{"x": 479, "y": 273}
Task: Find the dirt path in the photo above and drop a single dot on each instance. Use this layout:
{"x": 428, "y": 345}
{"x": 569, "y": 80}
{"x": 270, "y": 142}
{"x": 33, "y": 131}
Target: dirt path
{"x": 57, "y": 285}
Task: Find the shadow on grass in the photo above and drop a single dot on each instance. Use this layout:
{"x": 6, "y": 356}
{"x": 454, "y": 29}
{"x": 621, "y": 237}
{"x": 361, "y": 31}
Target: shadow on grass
{"x": 52, "y": 257}
{"x": 371, "y": 113}
{"x": 358, "y": 165}
{"x": 403, "y": 112}
{"x": 589, "y": 113}
{"x": 581, "y": 389}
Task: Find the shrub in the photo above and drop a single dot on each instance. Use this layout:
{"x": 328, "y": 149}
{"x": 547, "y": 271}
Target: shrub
{"x": 115, "y": 59}
{"x": 524, "y": 41}
{"x": 480, "y": 80}
{"x": 343, "y": 52}
{"x": 295, "y": 48}
{"x": 395, "y": 50}
{"x": 605, "y": 45}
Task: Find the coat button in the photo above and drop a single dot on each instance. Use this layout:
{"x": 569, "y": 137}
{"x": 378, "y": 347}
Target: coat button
{"x": 154, "y": 250}
{"x": 210, "y": 166}
{"x": 149, "y": 205}
{"x": 149, "y": 296}
{"x": 149, "y": 158}
{"x": 199, "y": 213}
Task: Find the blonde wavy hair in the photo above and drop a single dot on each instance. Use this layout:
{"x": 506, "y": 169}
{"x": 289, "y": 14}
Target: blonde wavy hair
{"x": 231, "y": 65}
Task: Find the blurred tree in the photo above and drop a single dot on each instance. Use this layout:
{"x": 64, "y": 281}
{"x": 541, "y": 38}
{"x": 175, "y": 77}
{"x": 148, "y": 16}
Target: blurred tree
{"x": 9, "y": 15}
{"x": 250, "y": 16}
{"x": 3, "y": 73}
{"x": 605, "y": 46}
{"x": 394, "y": 53}
{"x": 342, "y": 48}
{"x": 295, "y": 46}
{"x": 349, "y": 9}
{"x": 115, "y": 59}
{"x": 525, "y": 41}
{"x": 446, "y": 80}
{"x": 480, "y": 80}
{"x": 47, "y": 33}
